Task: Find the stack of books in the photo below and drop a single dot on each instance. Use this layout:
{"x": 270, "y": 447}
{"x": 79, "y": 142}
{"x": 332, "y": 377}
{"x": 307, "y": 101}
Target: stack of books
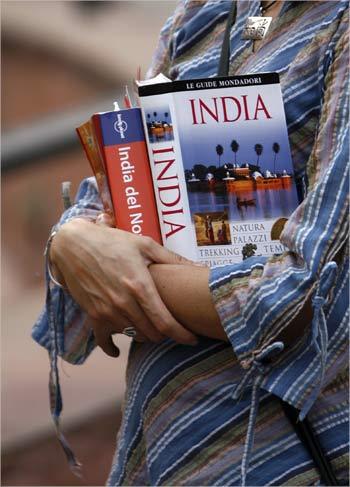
{"x": 202, "y": 166}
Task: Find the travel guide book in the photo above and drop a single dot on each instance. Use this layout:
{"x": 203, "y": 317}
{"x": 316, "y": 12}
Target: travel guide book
{"x": 115, "y": 145}
{"x": 219, "y": 173}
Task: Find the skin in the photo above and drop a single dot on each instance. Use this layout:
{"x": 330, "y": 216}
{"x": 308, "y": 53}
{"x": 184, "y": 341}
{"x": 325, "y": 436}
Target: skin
{"x": 160, "y": 293}
{"x": 188, "y": 298}
{"x": 124, "y": 280}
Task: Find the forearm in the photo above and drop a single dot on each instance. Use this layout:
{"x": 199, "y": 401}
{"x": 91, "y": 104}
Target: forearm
{"x": 185, "y": 292}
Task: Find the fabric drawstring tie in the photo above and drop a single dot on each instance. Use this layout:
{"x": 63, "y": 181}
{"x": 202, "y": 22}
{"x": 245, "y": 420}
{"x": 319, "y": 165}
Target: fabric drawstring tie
{"x": 319, "y": 332}
{"x": 54, "y": 383}
{"x": 256, "y": 372}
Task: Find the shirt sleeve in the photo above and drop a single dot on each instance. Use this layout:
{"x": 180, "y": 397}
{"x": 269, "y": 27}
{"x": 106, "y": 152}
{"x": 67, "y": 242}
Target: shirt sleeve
{"x": 73, "y": 335}
{"x": 258, "y": 298}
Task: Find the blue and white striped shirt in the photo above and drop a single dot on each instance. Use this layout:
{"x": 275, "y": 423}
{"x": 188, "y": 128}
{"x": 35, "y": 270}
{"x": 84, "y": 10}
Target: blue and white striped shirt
{"x": 182, "y": 422}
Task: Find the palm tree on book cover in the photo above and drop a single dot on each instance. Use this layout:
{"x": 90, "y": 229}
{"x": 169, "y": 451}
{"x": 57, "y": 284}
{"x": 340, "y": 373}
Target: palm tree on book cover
{"x": 219, "y": 150}
{"x": 276, "y": 149}
{"x": 234, "y": 148}
{"x": 259, "y": 150}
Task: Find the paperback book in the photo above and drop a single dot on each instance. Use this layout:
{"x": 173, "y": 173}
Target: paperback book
{"x": 216, "y": 165}
{"x": 115, "y": 145}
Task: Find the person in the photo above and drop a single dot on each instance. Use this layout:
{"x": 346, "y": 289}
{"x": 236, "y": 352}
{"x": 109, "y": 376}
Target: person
{"x": 206, "y": 223}
{"x": 224, "y": 231}
{"x": 219, "y": 237}
{"x": 211, "y": 231}
{"x": 205, "y": 385}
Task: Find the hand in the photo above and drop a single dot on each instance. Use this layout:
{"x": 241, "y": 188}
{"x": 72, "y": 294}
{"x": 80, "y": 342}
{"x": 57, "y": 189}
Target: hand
{"x": 106, "y": 272}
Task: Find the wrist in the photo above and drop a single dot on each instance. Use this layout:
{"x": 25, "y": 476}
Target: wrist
{"x": 64, "y": 238}
{"x": 59, "y": 242}
{"x": 54, "y": 274}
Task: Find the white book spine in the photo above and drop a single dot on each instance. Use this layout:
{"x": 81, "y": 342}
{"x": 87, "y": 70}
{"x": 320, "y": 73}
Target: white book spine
{"x": 168, "y": 174}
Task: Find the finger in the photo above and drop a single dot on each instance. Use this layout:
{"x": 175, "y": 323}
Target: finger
{"x": 112, "y": 327}
{"x": 142, "y": 324}
{"x": 104, "y": 340}
{"x": 159, "y": 315}
{"x": 140, "y": 337}
{"x": 124, "y": 322}
{"x": 131, "y": 315}
{"x": 160, "y": 255}
{"x": 105, "y": 219}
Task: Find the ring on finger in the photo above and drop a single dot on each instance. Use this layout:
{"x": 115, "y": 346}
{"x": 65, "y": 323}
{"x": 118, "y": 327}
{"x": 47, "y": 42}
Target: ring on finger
{"x": 130, "y": 331}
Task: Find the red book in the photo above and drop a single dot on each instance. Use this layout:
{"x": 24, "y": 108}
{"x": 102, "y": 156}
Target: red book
{"x": 121, "y": 138}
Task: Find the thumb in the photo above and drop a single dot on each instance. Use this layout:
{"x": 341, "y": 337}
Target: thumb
{"x": 161, "y": 255}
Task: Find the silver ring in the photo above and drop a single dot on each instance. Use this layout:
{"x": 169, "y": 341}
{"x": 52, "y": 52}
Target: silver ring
{"x": 129, "y": 331}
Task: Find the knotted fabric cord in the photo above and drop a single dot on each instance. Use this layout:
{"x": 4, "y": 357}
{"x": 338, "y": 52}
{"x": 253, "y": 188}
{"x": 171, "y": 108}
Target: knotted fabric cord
{"x": 319, "y": 332}
{"x": 54, "y": 382}
{"x": 319, "y": 339}
{"x": 259, "y": 367}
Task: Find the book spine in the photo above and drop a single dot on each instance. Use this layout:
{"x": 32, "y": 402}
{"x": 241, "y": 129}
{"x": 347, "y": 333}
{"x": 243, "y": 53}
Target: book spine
{"x": 90, "y": 145}
{"x": 125, "y": 155}
{"x": 168, "y": 174}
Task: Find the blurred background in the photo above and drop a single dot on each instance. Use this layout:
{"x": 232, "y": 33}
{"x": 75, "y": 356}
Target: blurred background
{"x": 61, "y": 61}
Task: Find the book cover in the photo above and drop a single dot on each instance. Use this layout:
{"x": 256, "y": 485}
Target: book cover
{"x": 221, "y": 165}
{"x": 121, "y": 137}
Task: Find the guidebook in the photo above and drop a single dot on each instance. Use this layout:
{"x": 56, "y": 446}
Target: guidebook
{"x": 219, "y": 173}
{"x": 221, "y": 165}
{"x": 115, "y": 145}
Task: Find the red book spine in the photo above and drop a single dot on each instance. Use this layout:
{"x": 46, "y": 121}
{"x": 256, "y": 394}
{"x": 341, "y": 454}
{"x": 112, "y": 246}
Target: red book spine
{"x": 122, "y": 140}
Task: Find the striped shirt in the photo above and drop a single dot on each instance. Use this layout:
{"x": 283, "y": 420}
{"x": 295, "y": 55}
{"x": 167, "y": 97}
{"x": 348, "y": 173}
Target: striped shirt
{"x": 190, "y": 413}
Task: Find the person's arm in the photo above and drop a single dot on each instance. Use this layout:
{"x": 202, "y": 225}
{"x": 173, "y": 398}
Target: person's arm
{"x": 82, "y": 250}
{"x": 264, "y": 295}
{"x": 73, "y": 325}
{"x": 185, "y": 292}
{"x": 76, "y": 338}
{"x": 106, "y": 272}
{"x": 260, "y": 299}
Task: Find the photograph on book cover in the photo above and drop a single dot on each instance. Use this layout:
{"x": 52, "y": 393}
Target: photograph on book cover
{"x": 159, "y": 124}
{"x": 212, "y": 228}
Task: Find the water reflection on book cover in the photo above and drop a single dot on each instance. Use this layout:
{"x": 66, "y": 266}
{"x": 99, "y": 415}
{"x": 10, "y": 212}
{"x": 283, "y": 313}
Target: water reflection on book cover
{"x": 269, "y": 203}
